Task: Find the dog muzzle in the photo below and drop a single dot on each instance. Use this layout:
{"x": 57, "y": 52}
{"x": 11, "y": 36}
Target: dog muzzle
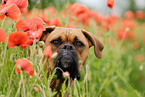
{"x": 67, "y": 60}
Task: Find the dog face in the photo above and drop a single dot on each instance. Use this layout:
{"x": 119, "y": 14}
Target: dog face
{"x": 72, "y": 46}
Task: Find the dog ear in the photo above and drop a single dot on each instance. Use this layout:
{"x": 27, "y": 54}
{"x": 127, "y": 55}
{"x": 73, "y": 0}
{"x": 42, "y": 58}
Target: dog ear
{"x": 45, "y": 33}
{"x": 94, "y": 41}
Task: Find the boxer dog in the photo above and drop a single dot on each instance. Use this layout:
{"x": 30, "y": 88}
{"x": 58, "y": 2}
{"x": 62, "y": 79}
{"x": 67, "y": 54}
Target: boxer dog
{"x": 72, "y": 46}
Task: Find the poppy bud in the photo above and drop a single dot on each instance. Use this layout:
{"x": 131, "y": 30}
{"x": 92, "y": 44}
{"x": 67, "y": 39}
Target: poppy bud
{"x": 19, "y": 67}
{"x": 41, "y": 44}
{"x": 66, "y": 74}
{"x": 127, "y": 29}
{"x": 54, "y": 55}
{"x": 141, "y": 68}
{"x": 36, "y": 89}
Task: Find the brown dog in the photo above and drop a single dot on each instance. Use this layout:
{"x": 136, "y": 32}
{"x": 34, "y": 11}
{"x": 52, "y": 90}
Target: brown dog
{"x": 72, "y": 46}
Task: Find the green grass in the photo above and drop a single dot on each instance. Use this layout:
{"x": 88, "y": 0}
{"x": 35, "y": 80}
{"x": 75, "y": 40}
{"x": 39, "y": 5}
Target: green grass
{"x": 109, "y": 76}
{"x": 117, "y": 74}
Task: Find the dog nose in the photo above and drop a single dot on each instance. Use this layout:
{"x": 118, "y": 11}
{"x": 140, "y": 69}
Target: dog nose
{"x": 67, "y": 47}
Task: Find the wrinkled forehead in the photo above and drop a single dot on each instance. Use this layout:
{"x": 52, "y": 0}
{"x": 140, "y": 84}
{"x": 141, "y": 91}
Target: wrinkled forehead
{"x": 67, "y": 34}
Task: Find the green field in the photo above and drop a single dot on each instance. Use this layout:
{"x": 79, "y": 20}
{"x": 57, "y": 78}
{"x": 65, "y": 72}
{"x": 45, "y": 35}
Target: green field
{"x": 120, "y": 73}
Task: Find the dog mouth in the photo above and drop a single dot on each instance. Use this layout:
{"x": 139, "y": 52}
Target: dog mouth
{"x": 67, "y": 61}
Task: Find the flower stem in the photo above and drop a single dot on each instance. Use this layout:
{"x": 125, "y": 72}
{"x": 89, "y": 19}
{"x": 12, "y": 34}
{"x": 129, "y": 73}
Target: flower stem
{"x": 3, "y": 22}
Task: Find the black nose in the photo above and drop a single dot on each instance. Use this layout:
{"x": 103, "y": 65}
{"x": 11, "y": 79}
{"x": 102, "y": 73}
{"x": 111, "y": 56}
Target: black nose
{"x": 67, "y": 47}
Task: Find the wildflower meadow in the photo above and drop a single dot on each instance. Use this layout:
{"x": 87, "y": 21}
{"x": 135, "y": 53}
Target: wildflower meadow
{"x": 120, "y": 72}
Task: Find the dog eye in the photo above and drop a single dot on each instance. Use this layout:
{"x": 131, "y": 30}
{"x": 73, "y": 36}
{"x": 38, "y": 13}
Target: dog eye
{"x": 55, "y": 42}
{"x": 79, "y": 44}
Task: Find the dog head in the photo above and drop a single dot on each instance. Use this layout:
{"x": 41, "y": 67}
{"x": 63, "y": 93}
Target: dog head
{"x": 72, "y": 46}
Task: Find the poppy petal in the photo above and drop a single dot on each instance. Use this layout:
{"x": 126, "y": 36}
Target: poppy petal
{"x": 110, "y": 3}
{"x": 25, "y": 65}
{"x": 44, "y": 18}
{"x": 25, "y": 25}
{"x": 24, "y": 45}
{"x": 22, "y": 4}
{"x": 32, "y": 34}
{"x": 35, "y": 34}
{"x": 140, "y": 14}
{"x": 3, "y": 35}
{"x": 11, "y": 11}
{"x": 52, "y": 10}
{"x": 122, "y": 34}
{"x": 77, "y": 9}
{"x": 30, "y": 72}
{"x": 47, "y": 51}
{"x": 4, "y": 2}
{"x": 2, "y": 6}
{"x": 39, "y": 22}
{"x": 2, "y": 17}
{"x": 17, "y": 38}
{"x": 39, "y": 34}
{"x": 17, "y": 71}
{"x": 55, "y": 22}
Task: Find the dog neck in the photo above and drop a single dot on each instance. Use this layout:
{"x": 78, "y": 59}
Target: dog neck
{"x": 57, "y": 84}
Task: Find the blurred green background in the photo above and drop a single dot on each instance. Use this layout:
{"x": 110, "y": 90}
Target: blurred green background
{"x": 120, "y": 73}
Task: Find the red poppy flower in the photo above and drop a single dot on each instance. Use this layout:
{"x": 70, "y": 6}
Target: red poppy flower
{"x": 17, "y": 38}
{"x": 32, "y": 35}
{"x": 140, "y": 58}
{"x": 122, "y": 34}
{"x": 84, "y": 18}
{"x": 33, "y": 28}
{"x": 110, "y": 3}
{"x": 24, "y": 12}
{"x": 52, "y": 10}
{"x": 132, "y": 36}
{"x": 129, "y": 24}
{"x": 135, "y": 45}
{"x": 28, "y": 43}
{"x": 129, "y": 14}
{"x": 26, "y": 25}
{"x": 92, "y": 13}
{"x": 47, "y": 51}
{"x": 34, "y": 24}
{"x": 78, "y": 9}
{"x": 24, "y": 65}
{"x": 4, "y": 2}
{"x": 140, "y": 14}
{"x": 44, "y": 18}
{"x": 11, "y": 11}
{"x": 55, "y": 22}
{"x": 22, "y": 4}
{"x": 39, "y": 22}
{"x": 35, "y": 34}
{"x": 3, "y": 35}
